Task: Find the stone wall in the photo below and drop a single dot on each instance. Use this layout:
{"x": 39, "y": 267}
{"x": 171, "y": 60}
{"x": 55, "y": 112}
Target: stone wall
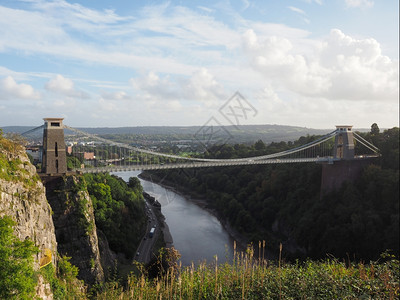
{"x": 334, "y": 175}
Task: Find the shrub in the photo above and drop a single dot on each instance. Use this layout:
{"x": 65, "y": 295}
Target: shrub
{"x": 17, "y": 278}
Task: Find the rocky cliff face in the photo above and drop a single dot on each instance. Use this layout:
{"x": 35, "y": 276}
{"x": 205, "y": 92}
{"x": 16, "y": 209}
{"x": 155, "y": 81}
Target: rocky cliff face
{"x": 22, "y": 196}
{"x": 58, "y": 217}
{"x": 75, "y": 225}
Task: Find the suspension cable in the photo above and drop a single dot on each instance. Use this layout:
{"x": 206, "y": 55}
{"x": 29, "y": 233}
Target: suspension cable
{"x": 370, "y": 148}
{"x": 32, "y": 130}
{"x": 262, "y": 157}
{"x": 370, "y": 144}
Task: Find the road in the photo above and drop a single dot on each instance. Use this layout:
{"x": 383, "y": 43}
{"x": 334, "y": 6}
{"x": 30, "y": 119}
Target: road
{"x": 144, "y": 251}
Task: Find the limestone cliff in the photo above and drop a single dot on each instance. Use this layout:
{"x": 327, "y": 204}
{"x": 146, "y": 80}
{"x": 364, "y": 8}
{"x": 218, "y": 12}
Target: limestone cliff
{"x": 22, "y": 196}
{"x": 58, "y": 216}
{"x": 75, "y": 225}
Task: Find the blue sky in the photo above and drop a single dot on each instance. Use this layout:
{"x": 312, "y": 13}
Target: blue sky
{"x": 310, "y": 63}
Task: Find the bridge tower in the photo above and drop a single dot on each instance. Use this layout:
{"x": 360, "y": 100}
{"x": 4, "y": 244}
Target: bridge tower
{"x": 346, "y": 168}
{"x": 344, "y": 143}
{"x": 54, "y": 159}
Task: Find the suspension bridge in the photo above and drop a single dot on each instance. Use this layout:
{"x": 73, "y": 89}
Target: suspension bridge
{"x": 98, "y": 154}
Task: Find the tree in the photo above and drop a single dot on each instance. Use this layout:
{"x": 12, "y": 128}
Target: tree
{"x": 16, "y": 264}
{"x": 134, "y": 183}
{"x": 374, "y": 129}
{"x": 73, "y": 162}
{"x": 259, "y": 145}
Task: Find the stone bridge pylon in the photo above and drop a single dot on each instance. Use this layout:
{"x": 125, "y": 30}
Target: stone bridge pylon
{"x": 54, "y": 159}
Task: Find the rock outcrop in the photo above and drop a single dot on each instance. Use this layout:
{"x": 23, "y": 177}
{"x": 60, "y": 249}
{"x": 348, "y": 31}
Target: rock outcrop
{"x": 22, "y": 197}
{"x": 75, "y": 225}
{"x": 57, "y": 216}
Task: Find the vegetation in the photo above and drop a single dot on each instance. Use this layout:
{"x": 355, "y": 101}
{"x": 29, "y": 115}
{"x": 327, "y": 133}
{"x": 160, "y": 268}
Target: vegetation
{"x": 63, "y": 280}
{"x": 17, "y": 280}
{"x": 119, "y": 210}
{"x": 11, "y": 167}
{"x": 250, "y": 278}
{"x": 282, "y": 203}
{"x": 73, "y": 162}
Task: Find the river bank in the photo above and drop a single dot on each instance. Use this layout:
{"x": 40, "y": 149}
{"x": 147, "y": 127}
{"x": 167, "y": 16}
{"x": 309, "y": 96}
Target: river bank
{"x": 241, "y": 241}
{"x": 168, "y": 240}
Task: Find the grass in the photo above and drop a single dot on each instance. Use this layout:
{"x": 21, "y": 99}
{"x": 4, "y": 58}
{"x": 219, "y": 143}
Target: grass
{"x": 248, "y": 277}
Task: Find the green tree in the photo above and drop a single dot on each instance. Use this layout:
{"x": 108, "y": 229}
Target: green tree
{"x": 134, "y": 183}
{"x": 374, "y": 129}
{"x": 73, "y": 162}
{"x": 118, "y": 209}
{"x": 17, "y": 279}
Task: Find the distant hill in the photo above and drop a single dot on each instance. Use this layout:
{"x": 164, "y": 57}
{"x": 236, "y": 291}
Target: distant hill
{"x": 233, "y": 134}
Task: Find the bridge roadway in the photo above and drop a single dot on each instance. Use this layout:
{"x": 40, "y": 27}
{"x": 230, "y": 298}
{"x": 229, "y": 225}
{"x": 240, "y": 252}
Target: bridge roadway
{"x": 201, "y": 165}
{"x": 219, "y": 163}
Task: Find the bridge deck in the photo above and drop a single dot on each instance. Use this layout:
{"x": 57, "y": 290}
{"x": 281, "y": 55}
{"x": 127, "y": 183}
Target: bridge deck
{"x": 212, "y": 164}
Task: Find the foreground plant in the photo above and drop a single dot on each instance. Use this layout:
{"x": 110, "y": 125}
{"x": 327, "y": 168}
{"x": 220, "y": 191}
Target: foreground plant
{"x": 248, "y": 277}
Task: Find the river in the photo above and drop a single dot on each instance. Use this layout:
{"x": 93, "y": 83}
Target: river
{"x": 197, "y": 234}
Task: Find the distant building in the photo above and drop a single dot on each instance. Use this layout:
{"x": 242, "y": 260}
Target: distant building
{"x": 88, "y": 155}
{"x": 83, "y": 155}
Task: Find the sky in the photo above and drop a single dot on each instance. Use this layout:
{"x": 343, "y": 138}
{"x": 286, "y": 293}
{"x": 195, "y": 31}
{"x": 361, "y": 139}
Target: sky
{"x": 308, "y": 63}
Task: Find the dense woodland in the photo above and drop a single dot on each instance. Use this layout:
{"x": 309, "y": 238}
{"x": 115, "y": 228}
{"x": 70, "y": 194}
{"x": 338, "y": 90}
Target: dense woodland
{"x": 119, "y": 210}
{"x": 282, "y": 203}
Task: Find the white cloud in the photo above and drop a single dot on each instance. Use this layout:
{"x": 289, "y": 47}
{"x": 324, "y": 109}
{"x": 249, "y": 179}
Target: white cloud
{"x": 281, "y": 30}
{"x": 120, "y": 95}
{"x": 181, "y": 39}
{"x": 4, "y": 72}
{"x": 152, "y": 86}
{"x": 246, "y": 4}
{"x": 201, "y": 87}
{"x": 64, "y": 86}
{"x": 297, "y": 10}
{"x": 341, "y": 67}
{"x": 316, "y": 1}
{"x": 10, "y": 89}
{"x": 301, "y": 12}
{"x": 107, "y": 106}
{"x": 206, "y": 9}
{"x": 60, "y": 84}
{"x": 359, "y": 3}
{"x": 78, "y": 14}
